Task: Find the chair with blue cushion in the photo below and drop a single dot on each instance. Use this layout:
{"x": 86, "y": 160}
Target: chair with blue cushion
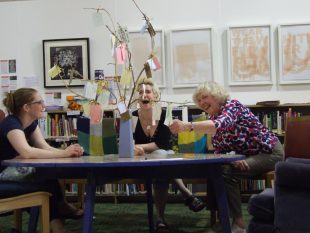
{"x": 285, "y": 208}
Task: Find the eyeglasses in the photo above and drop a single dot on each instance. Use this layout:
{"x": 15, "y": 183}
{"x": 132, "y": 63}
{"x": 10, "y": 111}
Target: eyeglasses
{"x": 38, "y": 102}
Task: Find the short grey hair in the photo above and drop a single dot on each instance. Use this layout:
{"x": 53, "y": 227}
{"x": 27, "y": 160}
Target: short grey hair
{"x": 213, "y": 89}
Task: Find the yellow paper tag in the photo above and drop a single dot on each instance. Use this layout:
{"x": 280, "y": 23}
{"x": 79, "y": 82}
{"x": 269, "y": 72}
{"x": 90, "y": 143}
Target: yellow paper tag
{"x": 54, "y": 71}
{"x": 126, "y": 77}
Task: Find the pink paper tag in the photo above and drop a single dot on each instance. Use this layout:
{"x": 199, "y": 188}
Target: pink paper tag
{"x": 156, "y": 62}
{"x": 95, "y": 114}
{"x": 121, "y": 54}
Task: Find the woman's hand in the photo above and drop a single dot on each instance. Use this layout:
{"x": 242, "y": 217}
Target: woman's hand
{"x": 138, "y": 150}
{"x": 241, "y": 165}
{"x": 179, "y": 126}
{"x": 74, "y": 150}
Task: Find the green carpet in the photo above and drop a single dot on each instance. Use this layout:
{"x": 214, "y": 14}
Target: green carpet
{"x": 132, "y": 218}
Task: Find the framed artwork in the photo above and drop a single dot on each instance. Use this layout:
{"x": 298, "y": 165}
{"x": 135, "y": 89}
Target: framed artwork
{"x": 294, "y": 53}
{"x": 141, "y": 47}
{"x": 66, "y": 61}
{"x": 249, "y": 55}
{"x": 191, "y": 56}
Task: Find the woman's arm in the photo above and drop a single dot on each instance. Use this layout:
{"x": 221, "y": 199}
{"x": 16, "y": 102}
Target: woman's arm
{"x": 148, "y": 147}
{"x": 206, "y": 127}
{"x": 18, "y": 140}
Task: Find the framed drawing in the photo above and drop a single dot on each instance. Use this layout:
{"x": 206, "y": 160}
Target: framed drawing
{"x": 249, "y": 55}
{"x": 141, "y": 47}
{"x": 192, "y": 56}
{"x": 294, "y": 53}
{"x": 66, "y": 62}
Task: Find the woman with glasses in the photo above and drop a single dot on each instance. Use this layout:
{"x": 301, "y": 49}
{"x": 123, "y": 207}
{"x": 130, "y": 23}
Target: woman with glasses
{"x": 20, "y": 137}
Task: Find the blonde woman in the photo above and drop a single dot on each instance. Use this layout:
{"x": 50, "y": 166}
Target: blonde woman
{"x": 155, "y": 139}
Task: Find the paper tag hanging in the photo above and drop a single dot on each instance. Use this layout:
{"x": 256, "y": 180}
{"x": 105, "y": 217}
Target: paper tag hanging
{"x": 147, "y": 70}
{"x": 112, "y": 45}
{"x": 156, "y": 62}
{"x": 185, "y": 114}
{"x": 143, "y": 28}
{"x": 151, "y": 64}
{"x": 124, "y": 112}
{"x": 90, "y": 90}
{"x": 95, "y": 113}
{"x": 168, "y": 119}
{"x": 126, "y": 77}
{"x": 103, "y": 98}
{"x": 156, "y": 112}
{"x": 121, "y": 54}
{"x": 86, "y": 109}
{"x": 54, "y": 71}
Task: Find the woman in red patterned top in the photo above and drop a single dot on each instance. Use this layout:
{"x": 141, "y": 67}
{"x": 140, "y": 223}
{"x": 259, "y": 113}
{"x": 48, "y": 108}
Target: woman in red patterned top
{"x": 235, "y": 129}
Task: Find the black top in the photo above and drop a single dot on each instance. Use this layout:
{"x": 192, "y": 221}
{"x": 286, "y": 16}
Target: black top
{"x": 11, "y": 122}
{"x": 161, "y": 135}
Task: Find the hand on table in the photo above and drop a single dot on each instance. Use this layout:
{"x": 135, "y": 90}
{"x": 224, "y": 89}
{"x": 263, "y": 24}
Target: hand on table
{"x": 241, "y": 165}
{"x": 74, "y": 150}
{"x": 138, "y": 150}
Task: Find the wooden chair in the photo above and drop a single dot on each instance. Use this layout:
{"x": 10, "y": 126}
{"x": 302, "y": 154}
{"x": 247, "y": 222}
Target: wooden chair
{"x": 12, "y": 199}
{"x": 297, "y": 134}
{"x": 27, "y": 200}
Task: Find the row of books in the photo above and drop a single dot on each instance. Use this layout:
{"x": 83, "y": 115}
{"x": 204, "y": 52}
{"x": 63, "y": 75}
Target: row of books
{"x": 276, "y": 120}
{"x": 58, "y": 125}
{"x": 249, "y": 185}
{"x": 121, "y": 189}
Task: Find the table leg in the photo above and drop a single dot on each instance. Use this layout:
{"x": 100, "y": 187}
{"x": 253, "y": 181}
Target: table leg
{"x": 149, "y": 198}
{"x": 221, "y": 199}
{"x": 89, "y": 204}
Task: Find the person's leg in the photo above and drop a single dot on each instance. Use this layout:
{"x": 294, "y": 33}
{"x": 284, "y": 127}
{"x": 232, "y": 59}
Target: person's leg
{"x": 186, "y": 193}
{"x": 53, "y": 187}
{"x": 190, "y": 200}
{"x": 258, "y": 164}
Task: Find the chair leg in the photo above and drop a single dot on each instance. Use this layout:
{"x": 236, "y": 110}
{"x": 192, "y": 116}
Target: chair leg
{"x": 81, "y": 191}
{"x": 45, "y": 216}
{"x": 214, "y": 217}
{"x": 33, "y": 219}
{"x": 18, "y": 219}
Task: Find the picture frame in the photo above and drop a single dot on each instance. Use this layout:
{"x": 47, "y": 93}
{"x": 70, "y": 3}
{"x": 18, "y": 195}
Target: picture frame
{"x": 66, "y": 62}
{"x": 141, "y": 46}
{"x": 192, "y": 56}
{"x": 250, "y": 52}
{"x": 294, "y": 49}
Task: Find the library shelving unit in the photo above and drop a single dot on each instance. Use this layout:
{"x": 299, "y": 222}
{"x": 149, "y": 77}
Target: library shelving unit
{"x": 59, "y": 127}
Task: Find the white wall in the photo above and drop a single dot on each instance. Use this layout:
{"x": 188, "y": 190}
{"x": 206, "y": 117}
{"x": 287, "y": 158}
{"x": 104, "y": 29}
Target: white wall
{"x": 24, "y": 24}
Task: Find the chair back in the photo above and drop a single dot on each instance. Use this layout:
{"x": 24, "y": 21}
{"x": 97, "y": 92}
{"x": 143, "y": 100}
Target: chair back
{"x": 297, "y": 137}
{"x": 2, "y": 115}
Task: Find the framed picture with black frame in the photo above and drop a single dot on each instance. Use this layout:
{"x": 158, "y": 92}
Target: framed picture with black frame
{"x": 66, "y": 62}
